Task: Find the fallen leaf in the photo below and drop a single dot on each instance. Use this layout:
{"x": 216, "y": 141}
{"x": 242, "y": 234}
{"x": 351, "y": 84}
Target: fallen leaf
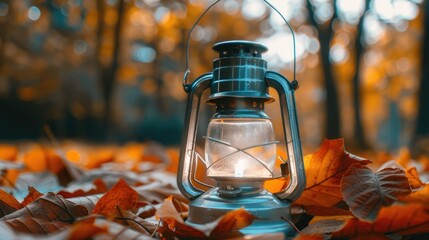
{"x": 8, "y": 203}
{"x": 8, "y": 152}
{"x": 325, "y": 211}
{"x": 225, "y": 226}
{"x": 100, "y": 156}
{"x": 33, "y": 194}
{"x": 118, "y": 231}
{"x": 96, "y": 187}
{"x": 86, "y": 201}
{"x": 85, "y": 229}
{"x": 323, "y": 227}
{"x": 170, "y": 209}
{"x": 120, "y": 195}
{"x": 413, "y": 178}
{"x": 233, "y": 221}
{"x": 50, "y": 207}
{"x": 402, "y": 220}
{"x": 309, "y": 237}
{"x": 403, "y": 157}
{"x": 127, "y": 218}
{"x": 45, "y": 182}
{"x": 418, "y": 196}
{"x": 366, "y": 192}
{"x": 28, "y": 224}
{"x": 324, "y": 170}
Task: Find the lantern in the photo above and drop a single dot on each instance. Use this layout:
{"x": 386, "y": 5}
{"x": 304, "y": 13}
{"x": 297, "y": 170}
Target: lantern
{"x": 240, "y": 149}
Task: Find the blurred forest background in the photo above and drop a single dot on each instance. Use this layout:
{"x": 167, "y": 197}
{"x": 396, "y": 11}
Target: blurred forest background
{"x": 111, "y": 70}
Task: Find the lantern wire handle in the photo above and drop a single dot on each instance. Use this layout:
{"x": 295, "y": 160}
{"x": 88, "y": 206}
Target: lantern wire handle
{"x": 185, "y": 77}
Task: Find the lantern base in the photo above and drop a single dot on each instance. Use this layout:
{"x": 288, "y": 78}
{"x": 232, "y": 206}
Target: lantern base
{"x": 266, "y": 207}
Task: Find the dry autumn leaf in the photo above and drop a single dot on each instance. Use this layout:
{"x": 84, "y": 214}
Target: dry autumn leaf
{"x": 401, "y": 220}
{"x": 324, "y": 170}
{"x": 226, "y": 226}
{"x": 8, "y": 203}
{"x": 29, "y": 224}
{"x": 366, "y": 192}
{"x": 171, "y": 208}
{"x": 33, "y": 194}
{"x": 418, "y": 196}
{"x": 50, "y": 207}
{"x": 98, "y": 187}
{"x": 120, "y": 195}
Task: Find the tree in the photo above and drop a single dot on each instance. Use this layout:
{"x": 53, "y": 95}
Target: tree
{"x": 326, "y": 33}
{"x": 358, "y": 130}
{"x": 421, "y": 134}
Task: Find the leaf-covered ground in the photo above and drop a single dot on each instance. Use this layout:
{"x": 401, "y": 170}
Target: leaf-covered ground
{"x": 81, "y": 191}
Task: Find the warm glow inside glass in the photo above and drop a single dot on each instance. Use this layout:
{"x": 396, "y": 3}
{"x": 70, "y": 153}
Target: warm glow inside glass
{"x": 240, "y": 147}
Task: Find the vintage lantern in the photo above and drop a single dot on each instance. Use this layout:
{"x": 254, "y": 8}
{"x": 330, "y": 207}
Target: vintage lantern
{"x": 240, "y": 146}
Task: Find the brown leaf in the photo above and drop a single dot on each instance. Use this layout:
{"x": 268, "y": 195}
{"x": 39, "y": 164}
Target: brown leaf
{"x": 309, "y": 237}
{"x": 118, "y": 231}
{"x": 8, "y": 203}
{"x": 51, "y": 207}
{"x": 233, "y": 221}
{"x": 402, "y": 220}
{"x": 86, "y": 201}
{"x": 28, "y": 224}
{"x": 324, "y": 170}
{"x": 85, "y": 229}
{"x": 418, "y": 196}
{"x": 226, "y": 226}
{"x": 33, "y": 194}
{"x": 170, "y": 229}
{"x": 171, "y": 209}
{"x": 325, "y": 211}
{"x": 127, "y": 218}
{"x": 366, "y": 192}
{"x": 323, "y": 227}
{"x": 98, "y": 187}
{"x": 120, "y": 195}
{"x": 413, "y": 178}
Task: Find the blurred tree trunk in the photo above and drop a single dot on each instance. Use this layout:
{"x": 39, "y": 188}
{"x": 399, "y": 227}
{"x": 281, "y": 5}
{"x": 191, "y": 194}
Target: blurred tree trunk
{"x": 358, "y": 130}
{"x": 4, "y": 26}
{"x": 326, "y": 33}
{"x": 421, "y": 135}
{"x": 108, "y": 73}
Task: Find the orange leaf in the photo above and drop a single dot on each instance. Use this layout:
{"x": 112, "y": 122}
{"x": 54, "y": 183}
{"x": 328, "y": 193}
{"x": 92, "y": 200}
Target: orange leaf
{"x": 233, "y": 220}
{"x": 309, "y": 237}
{"x": 120, "y": 195}
{"x": 33, "y": 194}
{"x": 99, "y": 187}
{"x": 226, "y": 226}
{"x": 8, "y": 203}
{"x": 418, "y": 196}
{"x": 413, "y": 177}
{"x": 324, "y": 170}
{"x": 325, "y": 211}
{"x": 8, "y": 152}
{"x": 85, "y": 229}
{"x": 403, "y": 220}
{"x": 366, "y": 192}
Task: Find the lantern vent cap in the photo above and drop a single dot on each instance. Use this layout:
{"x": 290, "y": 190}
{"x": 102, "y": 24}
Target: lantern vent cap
{"x": 239, "y": 48}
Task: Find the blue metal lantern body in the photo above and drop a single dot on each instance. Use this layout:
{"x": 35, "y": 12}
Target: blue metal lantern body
{"x": 239, "y": 86}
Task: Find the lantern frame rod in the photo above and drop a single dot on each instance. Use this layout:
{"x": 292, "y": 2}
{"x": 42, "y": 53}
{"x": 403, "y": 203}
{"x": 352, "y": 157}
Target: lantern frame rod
{"x": 187, "y": 71}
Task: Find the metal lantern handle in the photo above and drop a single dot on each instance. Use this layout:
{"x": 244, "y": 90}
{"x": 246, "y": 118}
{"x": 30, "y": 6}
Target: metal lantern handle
{"x": 185, "y": 76}
{"x": 195, "y": 92}
{"x": 291, "y": 135}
